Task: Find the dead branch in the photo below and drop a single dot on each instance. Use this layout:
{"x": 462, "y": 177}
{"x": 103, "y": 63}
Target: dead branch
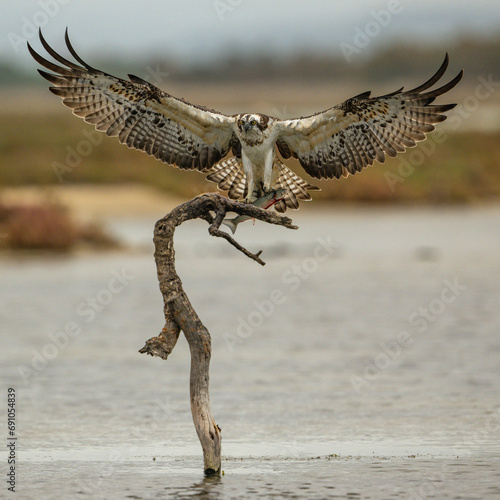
{"x": 180, "y": 314}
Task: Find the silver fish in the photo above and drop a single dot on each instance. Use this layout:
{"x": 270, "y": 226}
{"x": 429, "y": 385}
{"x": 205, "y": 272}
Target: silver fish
{"x": 266, "y": 201}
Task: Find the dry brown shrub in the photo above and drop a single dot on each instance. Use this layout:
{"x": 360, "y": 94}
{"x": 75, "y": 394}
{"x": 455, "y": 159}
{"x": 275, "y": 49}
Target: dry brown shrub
{"x": 47, "y": 226}
{"x": 37, "y": 227}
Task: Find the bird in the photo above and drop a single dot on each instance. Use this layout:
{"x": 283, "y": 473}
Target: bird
{"x": 244, "y": 153}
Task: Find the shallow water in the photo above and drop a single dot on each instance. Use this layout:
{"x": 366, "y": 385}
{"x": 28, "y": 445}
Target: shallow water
{"x": 374, "y": 375}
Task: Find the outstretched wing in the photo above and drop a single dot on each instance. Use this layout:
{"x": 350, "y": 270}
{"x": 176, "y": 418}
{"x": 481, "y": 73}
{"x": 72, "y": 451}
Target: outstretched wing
{"x": 346, "y": 138}
{"x": 141, "y": 115}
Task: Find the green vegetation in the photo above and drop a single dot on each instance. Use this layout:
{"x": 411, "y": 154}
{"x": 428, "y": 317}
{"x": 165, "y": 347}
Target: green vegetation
{"x": 34, "y": 150}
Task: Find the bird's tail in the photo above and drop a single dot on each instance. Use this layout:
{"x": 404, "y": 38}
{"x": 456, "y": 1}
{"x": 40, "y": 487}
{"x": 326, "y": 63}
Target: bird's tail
{"x": 296, "y": 188}
{"x": 230, "y": 176}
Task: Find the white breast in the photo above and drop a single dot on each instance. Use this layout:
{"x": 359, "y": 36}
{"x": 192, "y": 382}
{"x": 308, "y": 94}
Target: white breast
{"x": 258, "y": 161}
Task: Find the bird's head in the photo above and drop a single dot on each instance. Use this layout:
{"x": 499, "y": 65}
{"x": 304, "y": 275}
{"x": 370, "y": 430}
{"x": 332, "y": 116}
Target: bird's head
{"x": 252, "y": 126}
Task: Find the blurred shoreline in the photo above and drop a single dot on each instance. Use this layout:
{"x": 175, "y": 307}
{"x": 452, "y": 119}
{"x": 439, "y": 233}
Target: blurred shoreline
{"x": 121, "y": 218}
{"x": 42, "y": 144}
{"x": 88, "y": 202}
{"x": 50, "y": 159}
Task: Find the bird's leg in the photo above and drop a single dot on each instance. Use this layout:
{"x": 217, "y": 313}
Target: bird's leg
{"x": 250, "y": 198}
{"x": 247, "y": 167}
{"x": 268, "y": 172}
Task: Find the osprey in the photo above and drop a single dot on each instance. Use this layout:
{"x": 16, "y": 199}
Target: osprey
{"x": 243, "y": 153}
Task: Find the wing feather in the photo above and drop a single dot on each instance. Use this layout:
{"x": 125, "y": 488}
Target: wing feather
{"x": 352, "y": 135}
{"x": 141, "y": 115}
{"x": 229, "y": 176}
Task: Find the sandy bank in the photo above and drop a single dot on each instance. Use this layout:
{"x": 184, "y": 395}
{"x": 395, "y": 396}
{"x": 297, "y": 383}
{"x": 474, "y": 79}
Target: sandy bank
{"x": 97, "y": 201}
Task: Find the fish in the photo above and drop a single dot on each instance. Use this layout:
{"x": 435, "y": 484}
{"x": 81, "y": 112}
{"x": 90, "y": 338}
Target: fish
{"x": 266, "y": 201}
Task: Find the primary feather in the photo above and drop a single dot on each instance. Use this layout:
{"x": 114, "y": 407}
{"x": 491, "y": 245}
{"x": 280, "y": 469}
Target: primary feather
{"x": 141, "y": 115}
{"x": 240, "y": 152}
{"x": 350, "y": 136}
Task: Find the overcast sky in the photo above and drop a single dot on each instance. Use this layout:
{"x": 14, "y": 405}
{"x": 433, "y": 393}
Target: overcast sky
{"x": 209, "y": 29}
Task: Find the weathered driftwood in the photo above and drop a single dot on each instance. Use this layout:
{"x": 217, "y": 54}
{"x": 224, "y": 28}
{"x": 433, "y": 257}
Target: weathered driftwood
{"x": 180, "y": 314}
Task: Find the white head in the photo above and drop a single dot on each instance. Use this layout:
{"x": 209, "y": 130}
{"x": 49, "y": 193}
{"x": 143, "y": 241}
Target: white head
{"x": 252, "y": 126}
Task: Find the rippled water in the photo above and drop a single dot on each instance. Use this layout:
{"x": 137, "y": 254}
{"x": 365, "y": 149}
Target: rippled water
{"x": 374, "y": 375}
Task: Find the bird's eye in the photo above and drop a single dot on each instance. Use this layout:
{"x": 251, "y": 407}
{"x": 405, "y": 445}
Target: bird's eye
{"x": 253, "y": 122}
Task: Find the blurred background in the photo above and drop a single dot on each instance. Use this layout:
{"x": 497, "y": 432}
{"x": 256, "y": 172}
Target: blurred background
{"x": 381, "y": 355}
{"x": 238, "y": 56}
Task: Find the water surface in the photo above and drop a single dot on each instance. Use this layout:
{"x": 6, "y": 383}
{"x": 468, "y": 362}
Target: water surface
{"x": 374, "y": 375}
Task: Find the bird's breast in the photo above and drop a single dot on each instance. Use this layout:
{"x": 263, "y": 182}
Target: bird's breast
{"x": 257, "y": 154}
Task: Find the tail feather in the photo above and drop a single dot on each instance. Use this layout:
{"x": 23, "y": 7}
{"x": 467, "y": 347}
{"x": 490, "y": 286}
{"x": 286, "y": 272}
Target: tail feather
{"x": 238, "y": 188}
{"x": 227, "y": 181}
{"x": 297, "y": 188}
{"x": 230, "y": 224}
{"x": 230, "y": 176}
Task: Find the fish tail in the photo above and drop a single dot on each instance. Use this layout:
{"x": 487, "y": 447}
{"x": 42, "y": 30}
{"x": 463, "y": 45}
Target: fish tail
{"x": 230, "y": 224}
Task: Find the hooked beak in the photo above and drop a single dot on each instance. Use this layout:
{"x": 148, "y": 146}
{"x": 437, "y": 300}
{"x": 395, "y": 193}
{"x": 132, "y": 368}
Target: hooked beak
{"x": 247, "y": 126}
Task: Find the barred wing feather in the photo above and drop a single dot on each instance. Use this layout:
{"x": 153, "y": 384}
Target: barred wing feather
{"x": 350, "y": 136}
{"x": 142, "y": 116}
